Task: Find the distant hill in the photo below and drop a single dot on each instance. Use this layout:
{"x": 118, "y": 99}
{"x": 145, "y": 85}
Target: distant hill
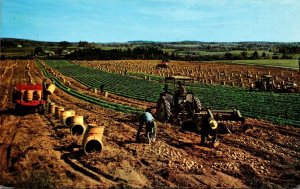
{"x": 13, "y": 42}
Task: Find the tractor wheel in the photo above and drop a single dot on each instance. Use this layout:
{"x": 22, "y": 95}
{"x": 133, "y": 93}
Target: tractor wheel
{"x": 163, "y": 110}
{"x": 197, "y": 104}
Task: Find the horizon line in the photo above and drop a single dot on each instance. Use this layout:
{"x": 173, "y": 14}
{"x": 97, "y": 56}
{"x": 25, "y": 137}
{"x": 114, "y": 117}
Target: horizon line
{"x": 150, "y": 41}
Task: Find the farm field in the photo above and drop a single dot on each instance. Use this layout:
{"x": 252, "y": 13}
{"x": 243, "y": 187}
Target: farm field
{"x": 36, "y": 151}
{"x": 221, "y": 53}
{"x": 134, "y": 85}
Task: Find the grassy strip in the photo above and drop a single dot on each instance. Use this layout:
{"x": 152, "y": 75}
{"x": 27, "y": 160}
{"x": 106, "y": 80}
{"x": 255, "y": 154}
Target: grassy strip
{"x": 288, "y": 63}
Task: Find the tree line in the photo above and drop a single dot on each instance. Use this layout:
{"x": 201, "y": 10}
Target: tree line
{"x": 156, "y": 53}
{"x": 117, "y": 54}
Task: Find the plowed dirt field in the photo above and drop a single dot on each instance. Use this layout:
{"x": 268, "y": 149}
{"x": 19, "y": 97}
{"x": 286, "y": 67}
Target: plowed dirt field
{"x": 36, "y": 151}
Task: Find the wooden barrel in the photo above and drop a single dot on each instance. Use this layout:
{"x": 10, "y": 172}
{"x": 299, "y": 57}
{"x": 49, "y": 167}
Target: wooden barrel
{"x": 92, "y": 140}
{"x": 28, "y": 95}
{"x": 37, "y": 95}
{"x": 58, "y": 109}
{"x": 51, "y": 89}
{"x": 77, "y": 125}
{"x": 66, "y": 117}
{"x": 76, "y": 120}
{"x": 52, "y": 108}
{"x": 60, "y": 113}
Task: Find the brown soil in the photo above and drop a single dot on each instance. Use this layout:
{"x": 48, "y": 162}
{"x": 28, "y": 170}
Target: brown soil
{"x": 37, "y": 152}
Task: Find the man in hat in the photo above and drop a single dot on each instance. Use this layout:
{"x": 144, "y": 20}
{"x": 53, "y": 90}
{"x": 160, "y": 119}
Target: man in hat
{"x": 209, "y": 129}
{"x": 181, "y": 89}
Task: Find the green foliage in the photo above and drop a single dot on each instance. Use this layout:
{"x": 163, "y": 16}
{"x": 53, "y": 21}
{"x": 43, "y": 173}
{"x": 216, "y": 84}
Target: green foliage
{"x": 281, "y": 108}
{"x": 228, "y": 56}
{"x": 255, "y": 55}
{"x": 38, "y": 50}
{"x": 114, "y": 83}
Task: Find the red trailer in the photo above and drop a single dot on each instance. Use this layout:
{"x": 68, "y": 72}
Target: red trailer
{"x": 29, "y": 98}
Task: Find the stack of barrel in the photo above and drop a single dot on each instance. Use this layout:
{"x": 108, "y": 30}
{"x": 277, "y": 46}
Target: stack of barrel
{"x": 92, "y": 134}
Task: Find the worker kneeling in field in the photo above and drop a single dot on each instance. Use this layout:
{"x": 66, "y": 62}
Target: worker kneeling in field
{"x": 209, "y": 129}
{"x": 148, "y": 119}
{"x": 206, "y": 126}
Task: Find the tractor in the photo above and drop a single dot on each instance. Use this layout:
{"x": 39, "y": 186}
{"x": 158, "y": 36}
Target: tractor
{"x": 30, "y": 98}
{"x": 289, "y": 87}
{"x": 162, "y": 64}
{"x": 267, "y": 83}
{"x": 175, "y": 103}
{"x": 184, "y": 108}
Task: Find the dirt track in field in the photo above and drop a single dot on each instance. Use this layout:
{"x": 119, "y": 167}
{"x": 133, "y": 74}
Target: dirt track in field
{"x": 36, "y": 151}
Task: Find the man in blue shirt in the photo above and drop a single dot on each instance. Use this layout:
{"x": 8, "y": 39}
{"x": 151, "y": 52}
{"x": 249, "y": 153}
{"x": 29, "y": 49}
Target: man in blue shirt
{"x": 146, "y": 118}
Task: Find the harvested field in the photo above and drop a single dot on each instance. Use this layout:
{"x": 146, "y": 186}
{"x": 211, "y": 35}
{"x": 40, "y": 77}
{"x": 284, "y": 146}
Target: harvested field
{"x": 205, "y": 72}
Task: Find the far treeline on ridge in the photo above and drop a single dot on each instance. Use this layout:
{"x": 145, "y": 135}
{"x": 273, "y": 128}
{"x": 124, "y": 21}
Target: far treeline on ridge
{"x": 185, "y": 50}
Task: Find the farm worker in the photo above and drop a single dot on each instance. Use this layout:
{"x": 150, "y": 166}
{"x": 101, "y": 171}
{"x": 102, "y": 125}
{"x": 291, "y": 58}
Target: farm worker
{"x": 146, "y": 118}
{"x": 265, "y": 85}
{"x": 210, "y": 126}
{"x": 251, "y": 86}
{"x": 181, "y": 88}
{"x": 102, "y": 88}
{"x": 45, "y": 94}
{"x": 180, "y": 92}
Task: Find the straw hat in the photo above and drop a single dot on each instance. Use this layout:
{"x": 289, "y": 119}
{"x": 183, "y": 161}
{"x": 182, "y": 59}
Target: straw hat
{"x": 213, "y": 123}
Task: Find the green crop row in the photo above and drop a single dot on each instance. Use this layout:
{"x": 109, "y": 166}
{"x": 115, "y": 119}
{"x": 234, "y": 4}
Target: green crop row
{"x": 97, "y": 101}
{"x": 114, "y": 83}
{"x": 277, "y": 107}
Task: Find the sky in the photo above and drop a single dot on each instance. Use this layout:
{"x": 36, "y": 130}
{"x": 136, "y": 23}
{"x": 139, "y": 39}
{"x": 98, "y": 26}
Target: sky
{"x": 151, "y": 20}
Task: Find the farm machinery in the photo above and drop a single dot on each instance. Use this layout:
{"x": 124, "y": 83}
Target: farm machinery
{"x": 267, "y": 83}
{"x": 162, "y": 64}
{"x": 31, "y": 97}
{"x": 179, "y": 106}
